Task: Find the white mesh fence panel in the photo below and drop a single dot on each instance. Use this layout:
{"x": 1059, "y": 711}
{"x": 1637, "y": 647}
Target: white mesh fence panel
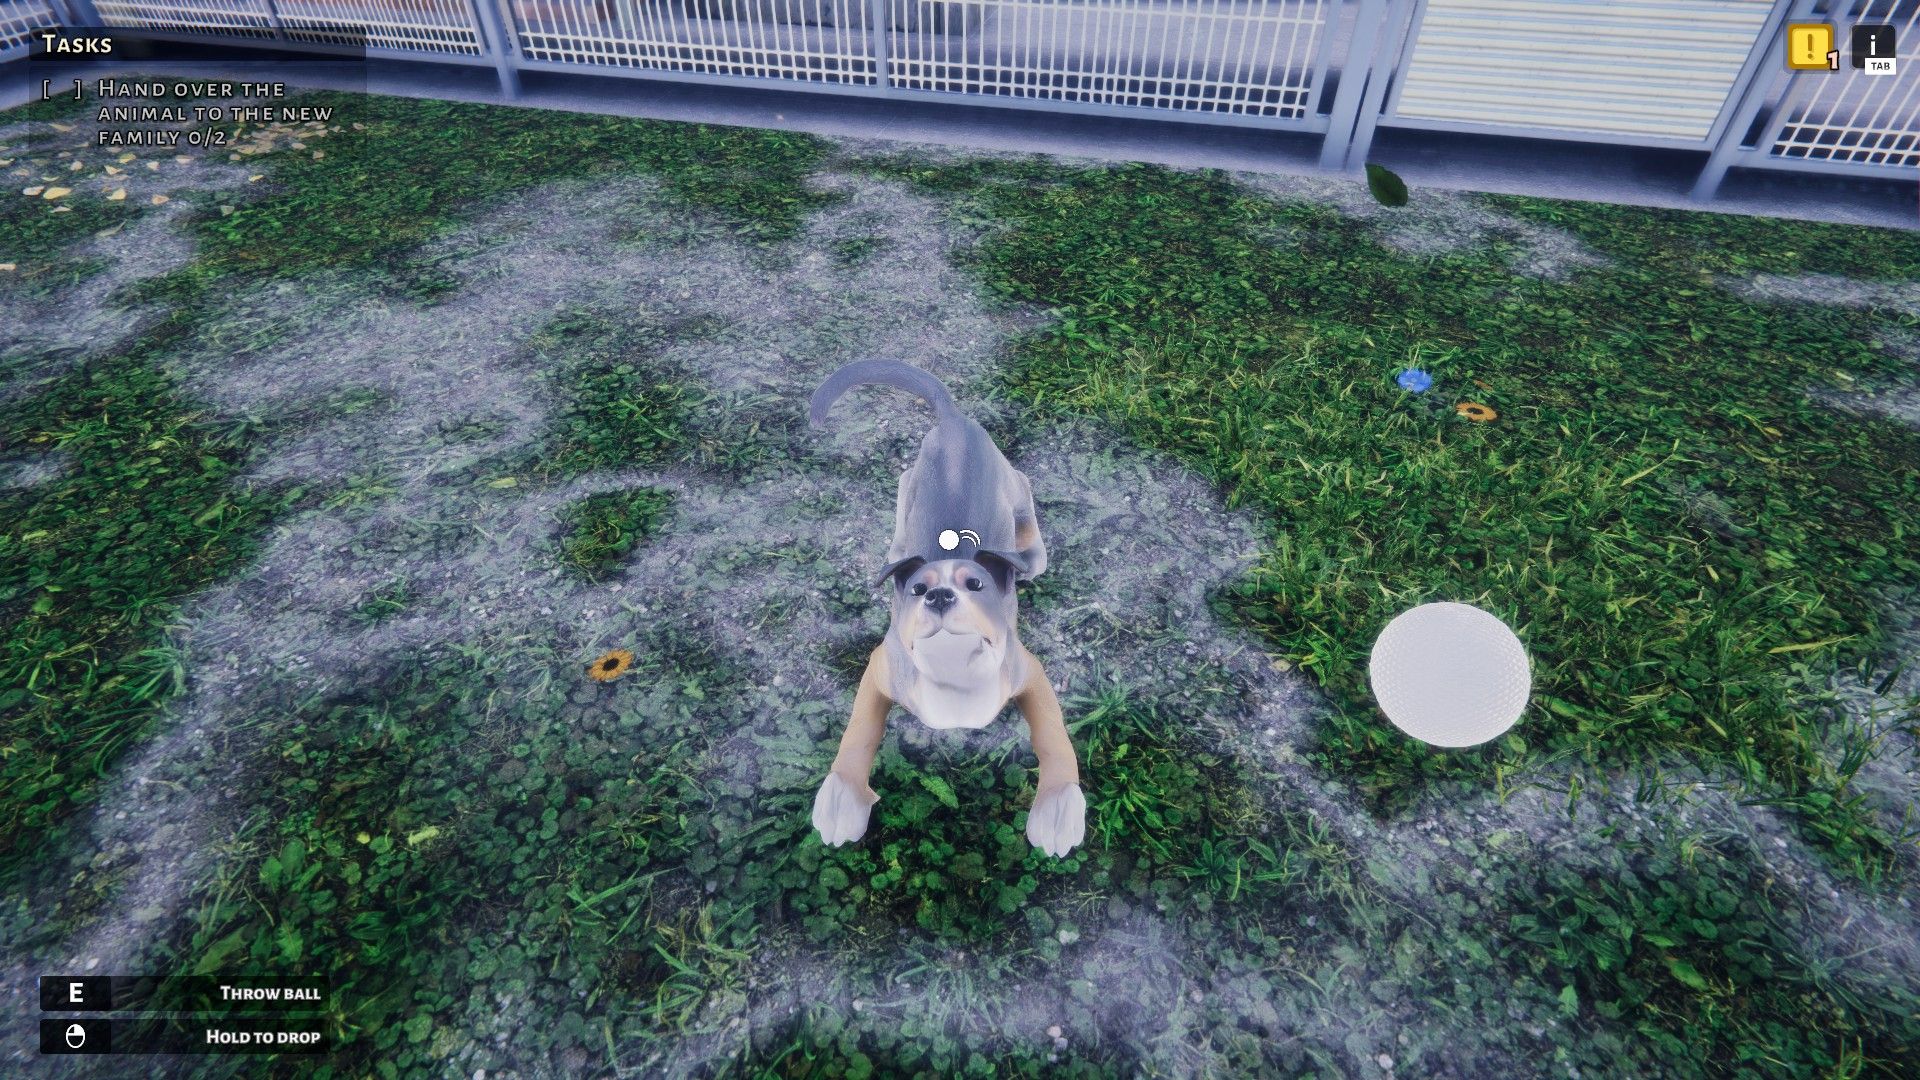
{"x": 1251, "y": 57}
{"x": 807, "y": 40}
{"x": 1850, "y": 116}
{"x": 229, "y": 18}
{"x": 18, "y": 18}
{"x": 444, "y": 26}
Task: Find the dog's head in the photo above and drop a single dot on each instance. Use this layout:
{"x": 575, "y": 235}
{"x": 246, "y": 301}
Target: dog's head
{"x": 955, "y": 616}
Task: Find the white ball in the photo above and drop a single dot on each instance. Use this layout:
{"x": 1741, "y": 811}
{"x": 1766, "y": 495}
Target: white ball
{"x": 1450, "y": 674}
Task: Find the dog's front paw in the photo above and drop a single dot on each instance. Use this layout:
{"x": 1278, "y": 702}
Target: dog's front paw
{"x": 1058, "y": 821}
{"x": 840, "y": 812}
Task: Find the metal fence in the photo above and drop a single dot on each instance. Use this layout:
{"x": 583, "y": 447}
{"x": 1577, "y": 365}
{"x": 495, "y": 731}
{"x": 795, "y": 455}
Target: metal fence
{"x": 218, "y": 18}
{"x": 1846, "y": 122}
{"x": 1850, "y": 117}
{"x": 17, "y": 19}
{"x": 1687, "y": 74}
{"x": 824, "y": 41}
{"x": 1225, "y": 58}
{"x": 1623, "y": 71}
{"x": 432, "y": 26}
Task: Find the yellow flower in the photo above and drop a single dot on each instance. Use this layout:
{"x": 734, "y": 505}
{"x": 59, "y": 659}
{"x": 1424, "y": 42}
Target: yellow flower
{"x": 611, "y": 666}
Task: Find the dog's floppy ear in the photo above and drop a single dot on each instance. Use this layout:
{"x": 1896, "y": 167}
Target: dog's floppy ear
{"x": 900, "y": 568}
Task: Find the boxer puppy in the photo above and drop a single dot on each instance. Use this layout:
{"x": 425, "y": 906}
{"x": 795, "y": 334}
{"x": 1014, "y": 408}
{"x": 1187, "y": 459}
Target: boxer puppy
{"x": 964, "y": 530}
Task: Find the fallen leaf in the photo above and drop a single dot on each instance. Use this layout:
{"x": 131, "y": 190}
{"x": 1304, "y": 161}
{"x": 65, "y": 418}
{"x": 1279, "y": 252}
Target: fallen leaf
{"x": 62, "y": 127}
{"x": 225, "y": 210}
{"x": 8, "y": 266}
{"x": 118, "y": 195}
{"x": 182, "y": 159}
{"x": 157, "y": 200}
{"x": 4, "y": 162}
{"x": 318, "y": 154}
{"x": 34, "y": 190}
{"x": 63, "y": 208}
{"x": 1387, "y": 188}
{"x": 258, "y": 176}
{"x": 114, "y": 170}
{"x": 56, "y": 192}
{"x": 104, "y": 233}
{"x": 154, "y": 165}
{"x": 126, "y": 157}
{"x": 76, "y": 166}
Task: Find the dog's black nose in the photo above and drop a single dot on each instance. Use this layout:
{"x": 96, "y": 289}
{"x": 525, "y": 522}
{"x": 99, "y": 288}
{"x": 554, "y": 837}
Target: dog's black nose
{"x": 940, "y": 599}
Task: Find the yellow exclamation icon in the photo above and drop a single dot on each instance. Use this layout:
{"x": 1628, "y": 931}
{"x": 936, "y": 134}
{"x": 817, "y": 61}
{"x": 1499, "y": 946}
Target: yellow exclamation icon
{"x": 1810, "y": 47}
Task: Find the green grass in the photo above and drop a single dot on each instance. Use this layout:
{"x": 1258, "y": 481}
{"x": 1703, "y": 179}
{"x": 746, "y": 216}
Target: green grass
{"x": 35, "y": 239}
{"x": 384, "y": 603}
{"x": 619, "y": 409}
{"x": 97, "y": 563}
{"x": 401, "y": 808}
{"x": 94, "y": 566}
{"x": 858, "y": 249}
{"x": 602, "y": 529}
{"x": 1697, "y": 959}
{"x": 1631, "y": 400}
{"x": 64, "y": 107}
{"x": 414, "y": 168}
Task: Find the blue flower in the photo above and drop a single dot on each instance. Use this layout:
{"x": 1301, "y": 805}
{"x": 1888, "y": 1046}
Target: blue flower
{"x": 1415, "y": 380}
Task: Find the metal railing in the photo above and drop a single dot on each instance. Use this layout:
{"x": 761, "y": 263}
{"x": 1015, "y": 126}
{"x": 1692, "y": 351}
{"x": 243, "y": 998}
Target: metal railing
{"x": 1239, "y": 58}
{"x": 1843, "y": 122}
{"x": 443, "y": 26}
{"x": 791, "y": 40}
{"x": 1852, "y": 118}
{"x": 1336, "y": 68}
{"x": 217, "y": 18}
{"x": 18, "y": 18}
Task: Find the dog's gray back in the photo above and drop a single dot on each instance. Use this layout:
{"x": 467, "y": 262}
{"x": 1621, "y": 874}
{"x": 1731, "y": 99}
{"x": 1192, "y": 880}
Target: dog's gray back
{"x": 961, "y": 488}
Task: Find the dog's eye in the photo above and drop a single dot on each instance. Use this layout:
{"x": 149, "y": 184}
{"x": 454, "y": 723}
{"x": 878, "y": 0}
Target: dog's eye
{"x": 975, "y": 584}
{"x": 919, "y": 589}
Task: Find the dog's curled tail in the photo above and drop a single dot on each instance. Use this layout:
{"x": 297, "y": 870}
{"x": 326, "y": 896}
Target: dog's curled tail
{"x": 886, "y": 373}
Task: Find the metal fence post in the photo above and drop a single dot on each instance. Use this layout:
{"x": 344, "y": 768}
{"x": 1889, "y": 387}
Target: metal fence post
{"x": 1749, "y": 94}
{"x": 1355, "y": 69}
{"x": 1395, "y": 39}
{"x": 877, "y": 33}
{"x": 493, "y": 21}
{"x": 1379, "y": 34}
{"x": 83, "y": 13}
